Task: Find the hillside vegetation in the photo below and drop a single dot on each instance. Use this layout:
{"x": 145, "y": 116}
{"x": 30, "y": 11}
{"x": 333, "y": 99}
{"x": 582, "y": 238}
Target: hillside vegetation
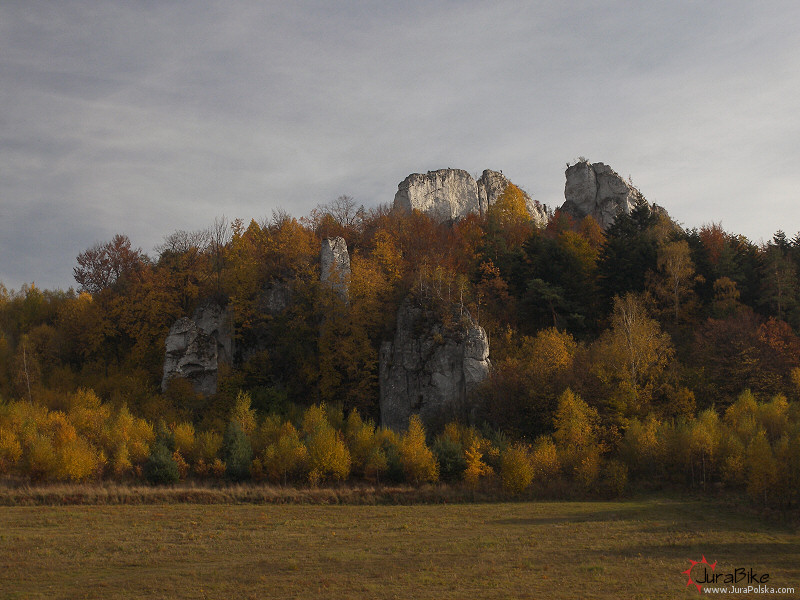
{"x": 646, "y": 351}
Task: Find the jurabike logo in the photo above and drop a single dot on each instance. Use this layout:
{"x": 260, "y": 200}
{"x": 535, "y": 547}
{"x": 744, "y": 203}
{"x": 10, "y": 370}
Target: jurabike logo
{"x": 739, "y": 580}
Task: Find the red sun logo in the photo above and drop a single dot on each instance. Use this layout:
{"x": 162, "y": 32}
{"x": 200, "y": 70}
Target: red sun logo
{"x": 688, "y": 572}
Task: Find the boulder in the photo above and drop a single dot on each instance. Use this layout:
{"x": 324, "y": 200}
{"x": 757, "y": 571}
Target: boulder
{"x": 335, "y": 266}
{"x": 196, "y": 347}
{"x": 596, "y": 190}
{"x": 431, "y": 369}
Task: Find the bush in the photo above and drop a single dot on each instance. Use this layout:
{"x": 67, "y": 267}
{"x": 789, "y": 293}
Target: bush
{"x": 516, "y": 469}
{"x": 161, "y": 467}
{"x": 236, "y": 452}
{"x": 328, "y": 455}
{"x": 450, "y": 457}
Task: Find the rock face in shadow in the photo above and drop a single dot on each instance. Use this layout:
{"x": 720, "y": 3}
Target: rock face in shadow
{"x": 596, "y": 190}
{"x": 430, "y": 369}
{"x": 197, "y": 346}
{"x": 448, "y": 195}
{"x": 335, "y": 266}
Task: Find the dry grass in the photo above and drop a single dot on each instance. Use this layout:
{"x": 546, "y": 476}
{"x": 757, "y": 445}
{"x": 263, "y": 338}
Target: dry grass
{"x": 53, "y": 494}
{"x": 632, "y": 549}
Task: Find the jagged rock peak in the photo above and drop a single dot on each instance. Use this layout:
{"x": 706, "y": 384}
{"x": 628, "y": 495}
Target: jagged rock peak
{"x": 597, "y": 190}
{"x": 196, "y": 347}
{"x": 430, "y": 369}
{"x": 335, "y": 265}
{"x": 447, "y": 195}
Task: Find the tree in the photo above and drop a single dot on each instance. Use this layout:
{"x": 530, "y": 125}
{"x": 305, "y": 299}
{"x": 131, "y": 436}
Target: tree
{"x": 576, "y": 431}
{"x": 762, "y": 467}
{"x": 516, "y": 469}
{"x": 677, "y": 273}
{"x": 161, "y": 467}
{"x": 417, "y": 460}
{"x": 102, "y": 265}
{"x": 237, "y": 453}
{"x": 629, "y": 252}
{"x": 631, "y": 356}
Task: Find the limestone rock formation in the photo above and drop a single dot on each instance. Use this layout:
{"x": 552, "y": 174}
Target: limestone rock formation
{"x": 493, "y": 183}
{"x": 335, "y": 265}
{"x": 429, "y": 369}
{"x": 196, "y": 347}
{"x": 447, "y": 195}
{"x": 597, "y": 190}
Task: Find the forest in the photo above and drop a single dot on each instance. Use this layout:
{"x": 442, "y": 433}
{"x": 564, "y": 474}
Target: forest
{"x": 647, "y": 354}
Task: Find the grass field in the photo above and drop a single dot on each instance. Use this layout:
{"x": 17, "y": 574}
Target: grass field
{"x": 629, "y": 549}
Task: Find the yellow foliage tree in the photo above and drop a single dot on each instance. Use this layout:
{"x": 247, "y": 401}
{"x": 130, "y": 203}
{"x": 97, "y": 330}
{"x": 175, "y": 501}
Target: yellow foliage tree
{"x": 286, "y": 456}
{"x": 516, "y": 469}
{"x": 243, "y": 414}
{"x": 417, "y": 460}
{"x": 476, "y": 467}
{"x": 762, "y": 467}
{"x": 576, "y": 433}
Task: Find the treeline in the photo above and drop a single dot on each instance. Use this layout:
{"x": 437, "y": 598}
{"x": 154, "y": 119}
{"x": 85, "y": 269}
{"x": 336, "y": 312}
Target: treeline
{"x": 754, "y": 447}
{"x": 646, "y": 322}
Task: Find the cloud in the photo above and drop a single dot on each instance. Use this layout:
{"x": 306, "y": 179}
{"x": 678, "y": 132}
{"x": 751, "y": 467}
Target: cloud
{"x": 148, "y": 117}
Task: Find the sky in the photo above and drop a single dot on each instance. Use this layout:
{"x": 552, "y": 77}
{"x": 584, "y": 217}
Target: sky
{"x": 146, "y": 117}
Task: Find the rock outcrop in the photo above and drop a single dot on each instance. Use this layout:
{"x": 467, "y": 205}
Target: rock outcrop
{"x": 597, "y": 190}
{"x": 492, "y": 184}
{"x": 430, "y": 369}
{"x": 447, "y": 195}
{"x": 196, "y": 347}
{"x": 335, "y": 266}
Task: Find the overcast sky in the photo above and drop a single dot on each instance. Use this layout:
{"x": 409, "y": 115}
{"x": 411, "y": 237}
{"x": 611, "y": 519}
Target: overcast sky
{"x": 144, "y": 117}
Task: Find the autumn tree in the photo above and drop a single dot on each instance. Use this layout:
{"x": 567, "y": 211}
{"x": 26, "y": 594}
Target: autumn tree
{"x": 516, "y": 469}
{"x": 417, "y": 460}
{"x": 103, "y": 265}
{"x": 631, "y": 356}
{"x": 675, "y": 276}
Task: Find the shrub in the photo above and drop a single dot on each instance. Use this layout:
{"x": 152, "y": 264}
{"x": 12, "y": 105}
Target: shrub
{"x": 545, "y": 459}
{"x": 328, "y": 455}
{"x": 77, "y": 460}
{"x": 207, "y": 445}
{"x": 286, "y": 456}
{"x": 183, "y": 434}
{"x": 236, "y": 452}
{"x": 516, "y": 469}
{"x": 450, "y": 457}
{"x": 161, "y": 467}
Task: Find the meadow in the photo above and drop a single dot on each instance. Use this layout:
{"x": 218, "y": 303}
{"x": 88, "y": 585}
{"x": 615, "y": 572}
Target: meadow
{"x": 633, "y": 549}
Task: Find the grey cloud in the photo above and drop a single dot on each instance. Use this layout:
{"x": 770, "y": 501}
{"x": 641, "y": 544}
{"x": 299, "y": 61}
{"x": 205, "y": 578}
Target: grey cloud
{"x": 146, "y": 117}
